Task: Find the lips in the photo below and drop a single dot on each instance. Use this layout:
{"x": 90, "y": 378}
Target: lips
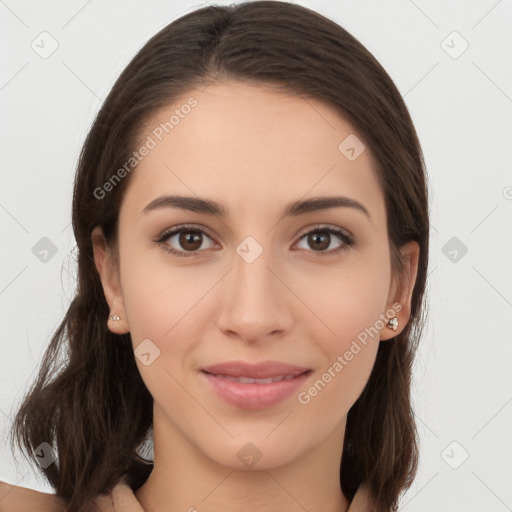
{"x": 249, "y": 380}
{"x": 263, "y": 370}
{"x": 254, "y": 386}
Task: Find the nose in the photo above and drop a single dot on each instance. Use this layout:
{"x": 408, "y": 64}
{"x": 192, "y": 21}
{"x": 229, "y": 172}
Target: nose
{"x": 255, "y": 301}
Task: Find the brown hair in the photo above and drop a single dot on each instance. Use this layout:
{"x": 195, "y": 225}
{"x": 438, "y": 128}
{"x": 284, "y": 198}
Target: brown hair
{"x": 94, "y": 408}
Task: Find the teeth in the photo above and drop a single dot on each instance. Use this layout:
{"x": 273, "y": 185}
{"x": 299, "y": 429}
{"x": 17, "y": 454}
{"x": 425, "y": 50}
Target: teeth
{"x": 247, "y": 380}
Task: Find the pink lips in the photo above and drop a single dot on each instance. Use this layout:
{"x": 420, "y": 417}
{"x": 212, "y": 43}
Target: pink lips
{"x": 255, "y": 395}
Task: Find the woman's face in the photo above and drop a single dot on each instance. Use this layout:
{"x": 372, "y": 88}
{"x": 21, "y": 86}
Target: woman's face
{"x": 259, "y": 283}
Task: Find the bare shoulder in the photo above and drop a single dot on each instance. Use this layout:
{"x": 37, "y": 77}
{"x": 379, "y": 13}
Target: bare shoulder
{"x": 14, "y": 498}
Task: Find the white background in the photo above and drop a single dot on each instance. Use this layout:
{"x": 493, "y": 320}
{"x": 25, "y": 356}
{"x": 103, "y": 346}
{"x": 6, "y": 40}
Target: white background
{"x": 462, "y": 109}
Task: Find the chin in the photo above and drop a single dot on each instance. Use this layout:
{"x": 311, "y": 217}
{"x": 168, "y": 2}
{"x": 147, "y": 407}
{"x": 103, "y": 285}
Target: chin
{"x": 256, "y": 453}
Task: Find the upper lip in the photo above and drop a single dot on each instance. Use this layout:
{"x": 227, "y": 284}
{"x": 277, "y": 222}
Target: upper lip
{"x": 261, "y": 370}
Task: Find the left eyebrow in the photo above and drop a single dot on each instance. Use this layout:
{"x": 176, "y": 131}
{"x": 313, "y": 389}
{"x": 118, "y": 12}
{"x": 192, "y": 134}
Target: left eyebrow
{"x": 200, "y": 205}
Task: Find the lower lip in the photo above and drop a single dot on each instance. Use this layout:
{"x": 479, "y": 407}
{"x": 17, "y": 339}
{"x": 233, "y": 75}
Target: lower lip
{"x": 254, "y": 396}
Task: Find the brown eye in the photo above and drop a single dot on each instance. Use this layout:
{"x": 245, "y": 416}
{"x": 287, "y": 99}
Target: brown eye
{"x": 183, "y": 241}
{"x": 319, "y": 240}
{"x": 190, "y": 240}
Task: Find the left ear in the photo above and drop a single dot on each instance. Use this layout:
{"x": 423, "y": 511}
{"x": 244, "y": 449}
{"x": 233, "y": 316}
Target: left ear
{"x": 401, "y": 290}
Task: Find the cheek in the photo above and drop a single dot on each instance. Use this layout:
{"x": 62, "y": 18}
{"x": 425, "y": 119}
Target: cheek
{"x": 161, "y": 304}
{"x": 356, "y": 316}
{"x": 164, "y": 304}
{"x": 347, "y": 303}
{"x": 349, "y": 357}
{"x": 352, "y": 309}
{"x": 156, "y": 295}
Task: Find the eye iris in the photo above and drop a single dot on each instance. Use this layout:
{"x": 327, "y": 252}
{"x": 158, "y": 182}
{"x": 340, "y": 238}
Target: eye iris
{"x": 314, "y": 237}
{"x": 187, "y": 237}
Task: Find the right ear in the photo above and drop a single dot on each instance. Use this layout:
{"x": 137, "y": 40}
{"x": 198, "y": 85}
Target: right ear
{"x": 109, "y": 274}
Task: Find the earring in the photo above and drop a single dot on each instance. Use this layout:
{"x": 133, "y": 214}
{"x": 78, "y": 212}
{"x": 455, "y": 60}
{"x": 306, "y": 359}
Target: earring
{"x": 115, "y": 318}
{"x": 393, "y": 324}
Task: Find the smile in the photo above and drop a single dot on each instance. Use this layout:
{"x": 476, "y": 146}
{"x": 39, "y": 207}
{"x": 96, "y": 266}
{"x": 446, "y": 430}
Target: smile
{"x": 251, "y": 393}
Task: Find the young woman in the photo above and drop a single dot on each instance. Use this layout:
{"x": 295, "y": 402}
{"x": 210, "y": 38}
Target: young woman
{"x": 251, "y": 217}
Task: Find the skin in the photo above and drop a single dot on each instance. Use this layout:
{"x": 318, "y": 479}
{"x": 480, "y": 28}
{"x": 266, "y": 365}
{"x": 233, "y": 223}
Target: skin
{"x": 253, "y": 150}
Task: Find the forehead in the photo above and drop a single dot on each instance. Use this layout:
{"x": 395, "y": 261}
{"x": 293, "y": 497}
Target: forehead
{"x": 249, "y": 147}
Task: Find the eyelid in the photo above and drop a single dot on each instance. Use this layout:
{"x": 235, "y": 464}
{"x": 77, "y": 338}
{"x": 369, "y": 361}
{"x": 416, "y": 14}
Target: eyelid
{"x": 320, "y": 226}
{"x": 182, "y": 227}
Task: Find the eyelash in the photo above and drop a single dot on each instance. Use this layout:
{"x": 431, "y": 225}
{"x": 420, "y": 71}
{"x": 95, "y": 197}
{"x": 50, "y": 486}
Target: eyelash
{"x": 348, "y": 240}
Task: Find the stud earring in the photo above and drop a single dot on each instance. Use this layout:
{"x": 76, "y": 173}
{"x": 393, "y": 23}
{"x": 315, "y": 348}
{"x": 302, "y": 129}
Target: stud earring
{"x": 115, "y": 318}
{"x": 393, "y": 324}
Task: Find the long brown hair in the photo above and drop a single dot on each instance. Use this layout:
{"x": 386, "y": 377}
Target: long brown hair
{"x": 93, "y": 407}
